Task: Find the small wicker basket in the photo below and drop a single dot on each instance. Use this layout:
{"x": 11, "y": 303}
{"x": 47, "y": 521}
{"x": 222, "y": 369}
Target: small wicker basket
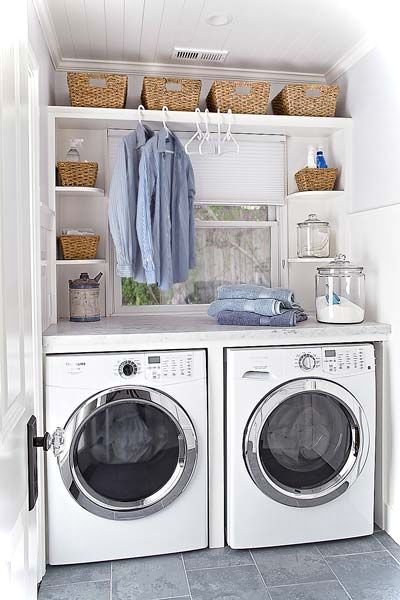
{"x": 310, "y": 180}
{"x": 77, "y": 174}
{"x": 242, "y": 97}
{"x": 175, "y": 94}
{"x": 100, "y": 90}
{"x": 306, "y": 100}
{"x": 79, "y": 247}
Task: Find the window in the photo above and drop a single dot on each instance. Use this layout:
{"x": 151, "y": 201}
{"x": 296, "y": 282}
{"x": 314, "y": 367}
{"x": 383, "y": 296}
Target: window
{"x": 236, "y": 240}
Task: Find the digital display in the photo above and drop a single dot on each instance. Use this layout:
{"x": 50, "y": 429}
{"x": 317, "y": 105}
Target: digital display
{"x": 153, "y": 360}
{"x": 330, "y": 353}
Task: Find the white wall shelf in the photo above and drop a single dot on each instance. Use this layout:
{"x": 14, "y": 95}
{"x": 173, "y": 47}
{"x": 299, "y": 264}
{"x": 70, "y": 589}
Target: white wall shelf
{"x": 93, "y": 261}
{"x": 310, "y": 260}
{"x": 72, "y": 117}
{"x": 79, "y": 191}
{"x": 323, "y": 195}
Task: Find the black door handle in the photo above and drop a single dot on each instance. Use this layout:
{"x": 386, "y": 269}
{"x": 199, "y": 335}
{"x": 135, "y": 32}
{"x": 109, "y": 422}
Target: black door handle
{"x": 43, "y": 442}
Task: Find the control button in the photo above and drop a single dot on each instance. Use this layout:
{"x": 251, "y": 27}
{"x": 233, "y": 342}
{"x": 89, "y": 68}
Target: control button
{"x": 307, "y": 362}
{"x": 127, "y": 368}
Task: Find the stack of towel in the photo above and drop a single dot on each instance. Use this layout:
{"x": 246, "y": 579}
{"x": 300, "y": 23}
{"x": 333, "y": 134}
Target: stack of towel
{"x": 256, "y": 305}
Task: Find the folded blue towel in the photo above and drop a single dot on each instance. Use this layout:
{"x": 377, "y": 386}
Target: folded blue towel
{"x": 255, "y": 292}
{"x": 264, "y": 306}
{"x": 289, "y": 318}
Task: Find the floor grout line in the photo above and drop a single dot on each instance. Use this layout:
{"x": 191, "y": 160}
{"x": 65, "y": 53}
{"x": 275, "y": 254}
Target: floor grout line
{"x": 388, "y": 551}
{"x": 285, "y": 585}
{"x": 186, "y": 575}
{"x": 351, "y": 553}
{"x": 259, "y": 572}
{"x": 333, "y": 572}
{"x": 220, "y": 567}
{"x": 75, "y": 582}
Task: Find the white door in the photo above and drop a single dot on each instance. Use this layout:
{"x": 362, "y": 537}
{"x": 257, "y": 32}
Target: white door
{"x": 18, "y": 531}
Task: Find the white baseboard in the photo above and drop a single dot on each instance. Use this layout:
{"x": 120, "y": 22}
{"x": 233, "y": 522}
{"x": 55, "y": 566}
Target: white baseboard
{"x": 392, "y": 522}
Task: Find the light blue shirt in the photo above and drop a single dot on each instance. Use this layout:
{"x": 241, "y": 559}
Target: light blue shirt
{"x": 165, "y": 211}
{"x": 122, "y": 203}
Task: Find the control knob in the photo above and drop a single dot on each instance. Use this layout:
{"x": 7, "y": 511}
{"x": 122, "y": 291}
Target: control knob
{"x": 127, "y": 368}
{"x": 307, "y": 362}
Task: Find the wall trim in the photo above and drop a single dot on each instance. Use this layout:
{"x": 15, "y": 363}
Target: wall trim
{"x": 348, "y": 60}
{"x": 205, "y": 72}
{"x": 49, "y": 32}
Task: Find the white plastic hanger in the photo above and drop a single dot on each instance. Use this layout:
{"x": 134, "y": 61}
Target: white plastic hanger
{"x": 198, "y": 135}
{"x": 228, "y": 139}
{"x": 206, "y": 145}
{"x": 164, "y": 118}
{"x": 141, "y": 111}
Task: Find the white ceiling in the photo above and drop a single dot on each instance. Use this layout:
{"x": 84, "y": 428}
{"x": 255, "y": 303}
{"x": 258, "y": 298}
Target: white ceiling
{"x": 302, "y": 36}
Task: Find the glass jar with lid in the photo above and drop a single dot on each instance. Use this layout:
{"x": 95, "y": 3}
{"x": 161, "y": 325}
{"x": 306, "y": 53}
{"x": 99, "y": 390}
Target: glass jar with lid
{"x": 313, "y": 238}
{"x": 340, "y": 292}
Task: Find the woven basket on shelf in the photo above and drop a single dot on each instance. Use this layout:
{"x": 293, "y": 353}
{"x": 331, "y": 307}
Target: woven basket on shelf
{"x": 100, "y": 90}
{"x": 306, "y": 100}
{"x": 310, "y": 180}
{"x": 77, "y": 174}
{"x": 175, "y": 94}
{"x": 79, "y": 247}
{"x": 243, "y": 97}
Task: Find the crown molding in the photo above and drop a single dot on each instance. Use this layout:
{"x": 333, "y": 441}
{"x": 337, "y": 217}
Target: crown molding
{"x": 46, "y": 23}
{"x": 172, "y": 70}
{"x": 355, "y": 54}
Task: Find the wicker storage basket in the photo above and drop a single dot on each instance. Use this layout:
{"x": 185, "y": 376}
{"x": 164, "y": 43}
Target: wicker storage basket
{"x": 79, "y": 247}
{"x": 310, "y": 180}
{"x": 77, "y": 174}
{"x": 175, "y": 94}
{"x": 245, "y": 97}
{"x": 101, "y": 90}
{"x": 306, "y": 100}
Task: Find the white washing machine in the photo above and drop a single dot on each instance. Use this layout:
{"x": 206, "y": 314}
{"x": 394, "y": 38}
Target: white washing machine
{"x": 300, "y": 444}
{"x": 130, "y": 474}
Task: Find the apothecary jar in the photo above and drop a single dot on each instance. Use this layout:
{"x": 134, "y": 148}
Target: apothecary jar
{"x": 340, "y": 292}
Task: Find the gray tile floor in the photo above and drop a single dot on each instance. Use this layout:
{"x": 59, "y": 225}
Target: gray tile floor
{"x": 358, "y": 569}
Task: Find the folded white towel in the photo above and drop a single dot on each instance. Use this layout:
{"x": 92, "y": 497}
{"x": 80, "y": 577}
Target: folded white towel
{"x": 78, "y": 231}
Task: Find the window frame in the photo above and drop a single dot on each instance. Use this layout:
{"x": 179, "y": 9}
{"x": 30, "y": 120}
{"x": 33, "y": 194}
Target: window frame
{"x": 120, "y": 310}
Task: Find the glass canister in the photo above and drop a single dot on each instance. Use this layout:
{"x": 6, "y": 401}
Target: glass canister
{"x": 340, "y": 292}
{"x": 313, "y": 238}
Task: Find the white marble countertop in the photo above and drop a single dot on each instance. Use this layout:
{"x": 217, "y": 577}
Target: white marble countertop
{"x": 191, "y": 331}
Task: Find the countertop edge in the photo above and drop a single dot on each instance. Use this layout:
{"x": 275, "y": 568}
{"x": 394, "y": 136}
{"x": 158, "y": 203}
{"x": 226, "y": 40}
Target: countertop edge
{"x": 124, "y": 341}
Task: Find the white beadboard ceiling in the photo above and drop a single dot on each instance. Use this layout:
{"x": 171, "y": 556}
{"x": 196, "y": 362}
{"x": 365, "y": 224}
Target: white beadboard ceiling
{"x": 286, "y": 36}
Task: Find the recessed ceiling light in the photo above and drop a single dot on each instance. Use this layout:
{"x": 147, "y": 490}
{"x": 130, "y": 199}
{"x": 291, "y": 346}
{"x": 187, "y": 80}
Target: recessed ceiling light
{"x": 219, "y": 19}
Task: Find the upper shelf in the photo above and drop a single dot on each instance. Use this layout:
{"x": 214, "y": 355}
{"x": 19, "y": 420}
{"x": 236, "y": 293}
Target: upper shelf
{"x": 71, "y": 117}
{"x": 79, "y": 191}
{"x": 315, "y": 195}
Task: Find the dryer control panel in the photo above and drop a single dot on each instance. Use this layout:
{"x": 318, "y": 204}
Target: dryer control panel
{"x": 344, "y": 360}
{"x": 157, "y": 366}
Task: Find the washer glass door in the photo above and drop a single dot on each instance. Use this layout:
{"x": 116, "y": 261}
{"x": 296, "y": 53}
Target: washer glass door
{"x": 130, "y": 452}
{"x": 303, "y": 442}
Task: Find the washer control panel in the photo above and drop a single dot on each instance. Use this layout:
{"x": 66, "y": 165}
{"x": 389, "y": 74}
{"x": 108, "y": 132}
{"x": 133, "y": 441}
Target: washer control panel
{"x": 169, "y": 366}
{"x": 344, "y": 360}
{"x": 156, "y": 366}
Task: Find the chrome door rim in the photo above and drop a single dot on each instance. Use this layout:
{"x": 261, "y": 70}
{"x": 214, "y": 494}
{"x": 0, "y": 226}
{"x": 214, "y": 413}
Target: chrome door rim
{"x": 340, "y": 482}
{"x": 111, "y": 509}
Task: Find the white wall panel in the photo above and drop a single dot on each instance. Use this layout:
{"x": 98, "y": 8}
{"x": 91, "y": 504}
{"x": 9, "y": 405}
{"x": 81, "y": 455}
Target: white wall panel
{"x": 133, "y": 29}
{"x": 96, "y": 27}
{"x": 79, "y": 28}
{"x": 115, "y": 19}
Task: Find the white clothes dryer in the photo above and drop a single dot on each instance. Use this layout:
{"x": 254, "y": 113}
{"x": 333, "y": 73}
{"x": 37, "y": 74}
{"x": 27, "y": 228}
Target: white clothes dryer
{"x": 300, "y": 425}
{"x": 130, "y": 438}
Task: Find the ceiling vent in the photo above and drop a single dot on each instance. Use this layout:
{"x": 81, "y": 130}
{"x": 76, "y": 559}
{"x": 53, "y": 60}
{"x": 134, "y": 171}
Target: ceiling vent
{"x": 211, "y": 56}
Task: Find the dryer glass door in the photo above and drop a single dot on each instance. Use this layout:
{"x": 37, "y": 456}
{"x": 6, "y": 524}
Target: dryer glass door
{"x": 303, "y": 442}
{"x": 128, "y": 452}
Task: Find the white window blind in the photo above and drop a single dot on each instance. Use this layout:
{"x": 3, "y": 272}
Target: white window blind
{"x": 254, "y": 176}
